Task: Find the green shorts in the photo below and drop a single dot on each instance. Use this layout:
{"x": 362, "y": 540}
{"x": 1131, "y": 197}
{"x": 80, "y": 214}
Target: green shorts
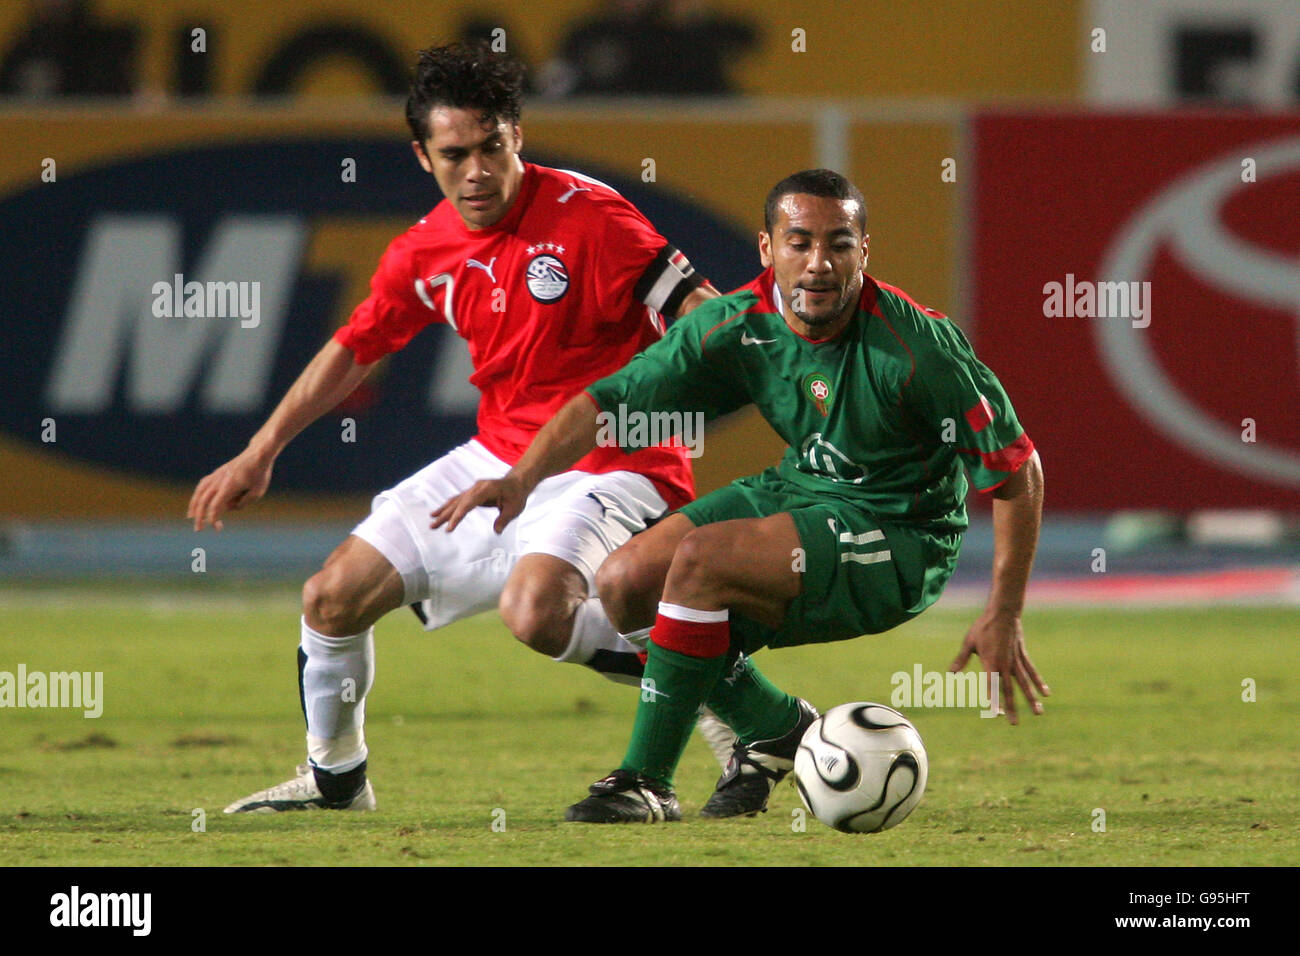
{"x": 861, "y": 575}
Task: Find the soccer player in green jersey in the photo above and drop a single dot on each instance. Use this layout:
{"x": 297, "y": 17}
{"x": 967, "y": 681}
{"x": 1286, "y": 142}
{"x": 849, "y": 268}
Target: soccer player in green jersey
{"x": 858, "y": 528}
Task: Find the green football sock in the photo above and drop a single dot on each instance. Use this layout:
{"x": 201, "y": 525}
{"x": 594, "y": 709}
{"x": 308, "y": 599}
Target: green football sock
{"x": 751, "y": 705}
{"x": 672, "y": 690}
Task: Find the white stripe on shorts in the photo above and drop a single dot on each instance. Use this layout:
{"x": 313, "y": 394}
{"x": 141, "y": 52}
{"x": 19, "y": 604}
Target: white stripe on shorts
{"x": 874, "y": 557}
{"x": 863, "y": 538}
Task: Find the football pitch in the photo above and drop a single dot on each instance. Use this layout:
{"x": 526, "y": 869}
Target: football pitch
{"x": 1147, "y": 755}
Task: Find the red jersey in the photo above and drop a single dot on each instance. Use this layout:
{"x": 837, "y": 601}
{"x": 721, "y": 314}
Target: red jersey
{"x": 564, "y": 290}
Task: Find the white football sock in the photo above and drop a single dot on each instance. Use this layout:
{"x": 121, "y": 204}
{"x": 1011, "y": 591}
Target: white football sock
{"x": 639, "y": 638}
{"x": 692, "y": 615}
{"x": 592, "y": 632}
{"x": 335, "y": 680}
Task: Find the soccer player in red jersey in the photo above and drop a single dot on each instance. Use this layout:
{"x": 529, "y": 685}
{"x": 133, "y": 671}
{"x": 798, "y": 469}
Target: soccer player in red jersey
{"x": 554, "y": 280}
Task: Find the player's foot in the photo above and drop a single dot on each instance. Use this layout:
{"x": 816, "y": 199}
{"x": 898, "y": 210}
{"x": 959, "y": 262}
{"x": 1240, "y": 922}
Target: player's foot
{"x": 301, "y": 793}
{"x": 626, "y": 797}
{"x": 754, "y": 770}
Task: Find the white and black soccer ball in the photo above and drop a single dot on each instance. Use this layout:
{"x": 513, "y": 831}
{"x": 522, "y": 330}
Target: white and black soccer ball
{"x": 861, "y": 768}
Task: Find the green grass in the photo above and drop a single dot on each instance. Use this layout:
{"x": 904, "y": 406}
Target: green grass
{"x": 1146, "y": 722}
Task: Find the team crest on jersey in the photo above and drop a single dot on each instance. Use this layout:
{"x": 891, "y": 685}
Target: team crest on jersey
{"x": 547, "y": 278}
{"x": 818, "y": 387}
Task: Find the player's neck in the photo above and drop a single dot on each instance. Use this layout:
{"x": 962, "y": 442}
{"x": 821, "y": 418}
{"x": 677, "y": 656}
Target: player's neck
{"x": 823, "y": 332}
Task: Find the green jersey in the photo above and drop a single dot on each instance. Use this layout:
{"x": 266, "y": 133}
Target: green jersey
{"x": 884, "y": 414}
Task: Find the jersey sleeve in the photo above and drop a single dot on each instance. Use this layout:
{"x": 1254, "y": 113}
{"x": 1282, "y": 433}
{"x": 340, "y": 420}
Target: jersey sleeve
{"x": 677, "y": 373}
{"x": 393, "y": 312}
{"x": 634, "y": 259}
{"x": 959, "y": 400}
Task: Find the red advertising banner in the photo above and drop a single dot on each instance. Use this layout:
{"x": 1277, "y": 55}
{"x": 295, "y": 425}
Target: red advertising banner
{"x": 1136, "y": 287}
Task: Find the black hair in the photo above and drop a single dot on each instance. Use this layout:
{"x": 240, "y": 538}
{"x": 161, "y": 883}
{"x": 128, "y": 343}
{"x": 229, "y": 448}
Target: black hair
{"x": 464, "y": 76}
{"x": 815, "y": 182}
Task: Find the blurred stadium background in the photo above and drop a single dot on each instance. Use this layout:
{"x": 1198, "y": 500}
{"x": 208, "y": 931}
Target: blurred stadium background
{"x": 1001, "y": 146}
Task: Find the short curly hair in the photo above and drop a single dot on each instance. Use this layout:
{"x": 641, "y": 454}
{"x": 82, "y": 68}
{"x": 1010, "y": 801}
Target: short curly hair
{"x": 464, "y": 76}
{"x": 825, "y": 183}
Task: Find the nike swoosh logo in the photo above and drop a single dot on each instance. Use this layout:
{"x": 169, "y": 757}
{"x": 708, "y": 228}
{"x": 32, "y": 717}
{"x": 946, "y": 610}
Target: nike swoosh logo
{"x": 653, "y": 691}
{"x": 745, "y": 339}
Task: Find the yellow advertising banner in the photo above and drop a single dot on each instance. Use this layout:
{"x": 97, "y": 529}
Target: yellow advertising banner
{"x": 823, "y": 48}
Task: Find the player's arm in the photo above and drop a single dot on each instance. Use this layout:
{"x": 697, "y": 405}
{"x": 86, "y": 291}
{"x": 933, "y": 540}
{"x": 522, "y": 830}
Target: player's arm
{"x": 697, "y": 298}
{"x": 965, "y": 403}
{"x": 672, "y": 374}
{"x": 561, "y": 442}
{"x": 998, "y": 637}
{"x": 327, "y": 380}
{"x": 1017, "y": 516}
{"x": 669, "y": 283}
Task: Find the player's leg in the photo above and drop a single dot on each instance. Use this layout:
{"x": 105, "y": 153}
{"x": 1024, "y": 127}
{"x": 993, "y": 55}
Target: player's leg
{"x": 631, "y": 584}
{"x": 744, "y": 565}
{"x": 547, "y": 606}
{"x": 570, "y": 527}
{"x": 336, "y": 665}
{"x": 384, "y": 564}
{"x": 832, "y": 570}
{"x": 541, "y": 600}
{"x": 858, "y": 577}
{"x": 567, "y": 536}
{"x": 354, "y": 588}
{"x": 631, "y": 580}
{"x": 357, "y": 586}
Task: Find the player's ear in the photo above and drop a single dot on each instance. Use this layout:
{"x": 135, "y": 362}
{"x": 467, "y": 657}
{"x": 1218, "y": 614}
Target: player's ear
{"x": 422, "y": 156}
{"x": 519, "y": 137}
{"x": 765, "y": 250}
{"x": 865, "y": 241}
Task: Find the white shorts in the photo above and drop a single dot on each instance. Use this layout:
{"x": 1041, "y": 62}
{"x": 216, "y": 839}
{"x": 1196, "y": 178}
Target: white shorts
{"x": 576, "y": 516}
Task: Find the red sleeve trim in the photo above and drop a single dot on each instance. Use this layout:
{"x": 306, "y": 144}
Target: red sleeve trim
{"x": 1008, "y": 459}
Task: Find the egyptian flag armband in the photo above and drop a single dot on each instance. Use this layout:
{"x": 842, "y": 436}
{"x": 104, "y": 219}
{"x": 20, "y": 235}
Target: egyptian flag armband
{"x": 667, "y": 281}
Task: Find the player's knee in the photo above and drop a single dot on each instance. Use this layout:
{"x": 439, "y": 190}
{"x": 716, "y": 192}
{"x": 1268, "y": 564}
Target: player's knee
{"x": 327, "y": 604}
{"x": 627, "y": 587}
{"x": 698, "y": 556}
{"x": 536, "y": 618}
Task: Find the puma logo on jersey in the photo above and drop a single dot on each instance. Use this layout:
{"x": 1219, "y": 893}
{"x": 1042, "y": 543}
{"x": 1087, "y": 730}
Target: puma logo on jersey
{"x": 573, "y": 188}
{"x": 486, "y": 268}
{"x": 745, "y": 339}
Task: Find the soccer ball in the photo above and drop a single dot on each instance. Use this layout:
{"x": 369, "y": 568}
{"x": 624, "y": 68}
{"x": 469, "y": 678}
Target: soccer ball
{"x": 861, "y": 768}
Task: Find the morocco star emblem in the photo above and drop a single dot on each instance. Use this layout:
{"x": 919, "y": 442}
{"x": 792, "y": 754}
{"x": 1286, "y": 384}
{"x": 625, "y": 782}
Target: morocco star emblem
{"x": 818, "y": 387}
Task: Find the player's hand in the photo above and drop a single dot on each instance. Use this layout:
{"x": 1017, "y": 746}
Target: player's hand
{"x": 240, "y": 481}
{"x": 999, "y": 642}
{"x": 508, "y": 495}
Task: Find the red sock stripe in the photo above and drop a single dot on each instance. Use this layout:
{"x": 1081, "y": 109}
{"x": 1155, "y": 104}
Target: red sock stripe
{"x": 710, "y": 639}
